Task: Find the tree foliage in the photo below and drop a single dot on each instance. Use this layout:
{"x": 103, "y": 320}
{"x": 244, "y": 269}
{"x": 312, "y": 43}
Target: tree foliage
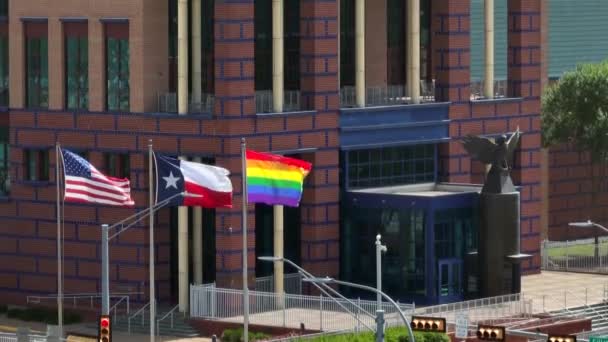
{"x": 575, "y": 111}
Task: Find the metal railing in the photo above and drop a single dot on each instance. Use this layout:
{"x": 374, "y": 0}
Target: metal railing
{"x": 482, "y": 308}
{"x": 580, "y": 255}
{"x": 263, "y": 101}
{"x": 142, "y": 312}
{"x": 386, "y": 96}
{"x": 292, "y": 283}
{"x": 167, "y": 103}
{"x": 167, "y": 315}
{"x": 477, "y": 92}
{"x": 76, "y": 298}
{"x": 287, "y": 310}
{"x": 14, "y": 337}
{"x": 125, "y": 300}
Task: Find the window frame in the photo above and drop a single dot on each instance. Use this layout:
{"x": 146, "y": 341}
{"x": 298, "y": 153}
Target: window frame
{"x": 391, "y": 166}
{"x": 118, "y": 89}
{"x": 117, "y": 165}
{"x": 41, "y": 160}
{"x": 76, "y": 31}
{"x": 36, "y": 65}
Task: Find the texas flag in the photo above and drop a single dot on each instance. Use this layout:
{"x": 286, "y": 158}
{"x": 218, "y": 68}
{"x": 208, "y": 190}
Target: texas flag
{"x": 210, "y": 185}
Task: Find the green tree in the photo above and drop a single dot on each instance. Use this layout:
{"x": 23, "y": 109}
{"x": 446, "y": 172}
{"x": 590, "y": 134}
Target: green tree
{"x": 575, "y": 111}
{"x": 575, "y": 114}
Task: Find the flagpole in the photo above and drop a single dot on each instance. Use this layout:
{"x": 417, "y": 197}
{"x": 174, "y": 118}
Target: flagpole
{"x": 244, "y": 204}
{"x": 59, "y": 258}
{"x": 152, "y": 276}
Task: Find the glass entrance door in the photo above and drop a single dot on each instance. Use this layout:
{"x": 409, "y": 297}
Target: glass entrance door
{"x": 450, "y": 280}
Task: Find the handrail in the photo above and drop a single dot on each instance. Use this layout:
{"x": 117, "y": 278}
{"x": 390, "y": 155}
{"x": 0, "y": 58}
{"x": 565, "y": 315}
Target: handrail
{"x": 165, "y": 316}
{"x": 601, "y": 315}
{"x": 115, "y": 306}
{"x": 142, "y": 311}
{"x": 81, "y": 295}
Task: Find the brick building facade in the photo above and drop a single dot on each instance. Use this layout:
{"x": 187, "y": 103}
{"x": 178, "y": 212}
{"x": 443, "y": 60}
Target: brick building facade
{"x": 314, "y": 132}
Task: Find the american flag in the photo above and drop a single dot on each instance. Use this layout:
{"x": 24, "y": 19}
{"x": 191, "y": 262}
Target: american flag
{"x": 84, "y": 184}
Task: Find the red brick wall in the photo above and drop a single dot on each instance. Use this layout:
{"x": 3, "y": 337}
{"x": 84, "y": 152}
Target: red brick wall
{"x": 451, "y": 25}
{"x": 577, "y": 192}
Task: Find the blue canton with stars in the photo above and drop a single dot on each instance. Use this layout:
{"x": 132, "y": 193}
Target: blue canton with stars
{"x": 75, "y": 165}
{"x": 169, "y": 181}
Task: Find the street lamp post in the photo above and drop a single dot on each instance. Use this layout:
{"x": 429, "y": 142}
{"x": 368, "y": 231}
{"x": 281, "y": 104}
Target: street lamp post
{"x": 590, "y": 224}
{"x": 323, "y": 289}
{"x": 379, "y": 249}
{"x": 328, "y": 280}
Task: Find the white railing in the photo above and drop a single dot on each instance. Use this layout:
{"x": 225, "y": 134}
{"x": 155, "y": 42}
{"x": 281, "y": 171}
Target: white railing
{"x": 167, "y": 103}
{"x": 287, "y": 310}
{"x": 579, "y": 255}
{"x": 13, "y": 337}
{"x": 482, "y": 308}
{"x": 477, "y": 89}
{"x": 387, "y": 95}
{"x": 142, "y": 312}
{"x": 292, "y": 283}
{"x": 125, "y": 301}
{"x": 264, "y": 102}
{"x": 169, "y": 315}
{"x": 89, "y": 298}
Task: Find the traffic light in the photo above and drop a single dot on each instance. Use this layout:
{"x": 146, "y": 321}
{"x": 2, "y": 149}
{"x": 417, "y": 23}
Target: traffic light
{"x": 435, "y": 324}
{"x": 490, "y": 333}
{"x": 105, "y": 329}
{"x": 561, "y": 338}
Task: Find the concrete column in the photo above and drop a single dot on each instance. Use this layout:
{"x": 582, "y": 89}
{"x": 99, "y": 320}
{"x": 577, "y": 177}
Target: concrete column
{"x": 196, "y": 52}
{"x": 197, "y": 237}
{"x": 360, "y": 52}
{"x": 277, "y": 55}
{"x": 182, "y": 108}
{"x": 488, "y": 89}
{"x": 413, "y": 50}
{"x": 278, "y": 249}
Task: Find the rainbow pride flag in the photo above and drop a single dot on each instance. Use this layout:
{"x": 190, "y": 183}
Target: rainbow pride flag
{"x": 274, "y": 179}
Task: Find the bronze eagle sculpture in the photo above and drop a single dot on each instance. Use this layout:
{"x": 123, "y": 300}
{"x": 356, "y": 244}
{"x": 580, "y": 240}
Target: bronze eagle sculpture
{"x": 499, "y": 155}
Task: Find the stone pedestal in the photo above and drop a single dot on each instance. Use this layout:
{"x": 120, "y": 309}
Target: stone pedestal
{"x": 498, "y": 243}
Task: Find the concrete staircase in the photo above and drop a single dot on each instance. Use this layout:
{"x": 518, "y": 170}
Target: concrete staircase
{"x": 598, "y": 313}
{"x": 180, "y": 327}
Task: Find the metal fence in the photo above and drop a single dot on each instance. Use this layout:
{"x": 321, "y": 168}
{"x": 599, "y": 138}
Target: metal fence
{"x": 14, "y": 337}
{"x": 167, "y": 103}
{"x": 386, "y": 96}
{"x": 292, "y": 283}
{"x": 583, "y": 255}
{"x": 500, "y": 89}
{"x": 482, "y": 308}
{"x": 288, "y": 310}
{"x": 264, "y": 102}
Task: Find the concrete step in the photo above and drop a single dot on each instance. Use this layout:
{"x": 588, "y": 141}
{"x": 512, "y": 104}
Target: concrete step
{"x": 180, "y": 327}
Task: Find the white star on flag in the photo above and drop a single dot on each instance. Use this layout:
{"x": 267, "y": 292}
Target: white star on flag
{"x": 171, "y": 181}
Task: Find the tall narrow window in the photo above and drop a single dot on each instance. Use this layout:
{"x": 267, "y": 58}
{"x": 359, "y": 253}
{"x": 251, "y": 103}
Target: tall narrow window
{"x": 36, "y": 165}
{"x": 117, "y": 66}
{"x": 396, "y": 42}
{"x": 4, "y": 87}
{"x": 347, "y": 43}
{"x": 208, "y": 44}
{"x": 37, "y": 67}
{"x": 292, "y": 44}
{"x": 117, "y": 165}
{"x": 3, "y": 8}
{"x": 76, "y": 65}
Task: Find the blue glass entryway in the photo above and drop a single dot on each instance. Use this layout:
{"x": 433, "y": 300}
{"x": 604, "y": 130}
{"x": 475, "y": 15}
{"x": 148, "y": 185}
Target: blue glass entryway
{"x": 431, "y": 234}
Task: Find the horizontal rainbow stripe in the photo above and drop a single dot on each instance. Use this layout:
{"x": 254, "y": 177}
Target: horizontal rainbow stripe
{"x": 274, "y": 179}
